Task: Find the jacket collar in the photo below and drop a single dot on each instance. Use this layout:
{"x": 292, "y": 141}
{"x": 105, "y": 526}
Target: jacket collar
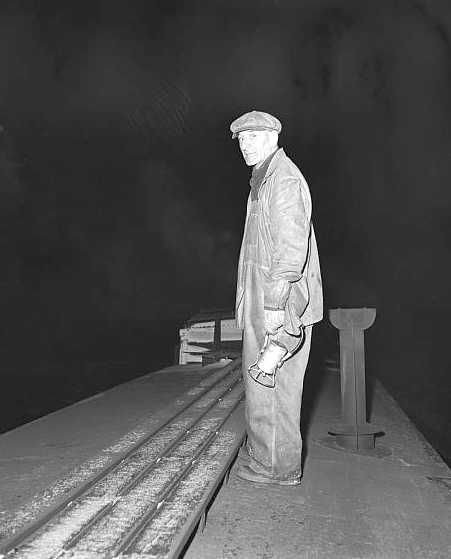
{"x": 257, "y": 181}
{"x": 274, "y": 161}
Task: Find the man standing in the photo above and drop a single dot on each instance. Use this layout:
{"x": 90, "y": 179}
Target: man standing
{"x": 279, "y": 295}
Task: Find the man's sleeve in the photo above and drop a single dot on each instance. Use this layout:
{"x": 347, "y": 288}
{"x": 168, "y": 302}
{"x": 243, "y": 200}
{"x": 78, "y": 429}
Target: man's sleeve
{"x": 289, "y": 213}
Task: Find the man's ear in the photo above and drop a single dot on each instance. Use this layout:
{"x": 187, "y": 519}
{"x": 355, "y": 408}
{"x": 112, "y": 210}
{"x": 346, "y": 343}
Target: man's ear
{"x": 273, "y": 137}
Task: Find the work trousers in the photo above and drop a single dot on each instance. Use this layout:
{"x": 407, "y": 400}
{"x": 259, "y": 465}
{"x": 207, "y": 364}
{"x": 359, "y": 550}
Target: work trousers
{"x": 274, "y": 443}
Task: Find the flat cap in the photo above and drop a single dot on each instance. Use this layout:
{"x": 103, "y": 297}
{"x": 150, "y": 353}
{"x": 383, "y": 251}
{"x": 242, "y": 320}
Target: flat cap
{"x": 255, "y": 120}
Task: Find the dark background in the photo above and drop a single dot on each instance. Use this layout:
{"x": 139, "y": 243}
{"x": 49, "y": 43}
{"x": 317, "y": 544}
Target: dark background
{"x": 123, "y": 196}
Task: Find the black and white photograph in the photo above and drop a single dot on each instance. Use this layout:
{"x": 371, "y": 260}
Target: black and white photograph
{"x": 226, "y": 279}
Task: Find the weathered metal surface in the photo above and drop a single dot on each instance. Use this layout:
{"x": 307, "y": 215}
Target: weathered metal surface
{"x": 108, "y": 514}
{"x": 354, "y": 431}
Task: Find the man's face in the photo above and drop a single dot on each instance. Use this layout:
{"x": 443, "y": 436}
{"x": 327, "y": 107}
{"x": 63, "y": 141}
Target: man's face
{"x": 256, "y": 145}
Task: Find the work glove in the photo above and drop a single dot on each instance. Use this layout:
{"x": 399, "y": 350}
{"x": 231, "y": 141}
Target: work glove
{"x": 274, "y": 319}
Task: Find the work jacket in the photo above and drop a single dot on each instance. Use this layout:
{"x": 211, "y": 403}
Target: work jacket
{"x": 280, "y": 241}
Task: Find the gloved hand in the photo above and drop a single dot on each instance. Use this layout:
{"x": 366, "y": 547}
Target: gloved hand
{"x": 274, "y": 320}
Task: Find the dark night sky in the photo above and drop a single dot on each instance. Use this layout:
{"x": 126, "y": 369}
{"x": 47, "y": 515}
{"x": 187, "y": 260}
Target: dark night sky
{"x": 123, "y": 195}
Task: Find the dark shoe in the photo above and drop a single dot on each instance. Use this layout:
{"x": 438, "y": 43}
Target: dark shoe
{"x": 247, "y": 473}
